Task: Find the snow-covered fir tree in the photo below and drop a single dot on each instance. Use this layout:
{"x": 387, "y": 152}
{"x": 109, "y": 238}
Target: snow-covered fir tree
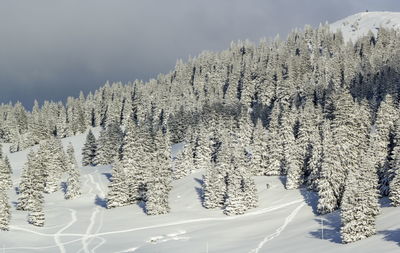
{"x": 274, "y": 143}
{"x": 5, "y": 176}
{"x": 241, "y": 193}
{"x": 394, "y": 194}
{"x": 25, "y": 185}
{"x": 8, "y": 164}
{"x": 109, "y": 144}
{"x": 386, "y": 117}
{"x": 159, "y": 184}
{"x": 202, "y": 159}
{"x": 73, "y": 183}
{"x": 36, "y": 216}
{"x": 5, "y": 211}
{"x": 118, "y": 192}
{"x": 183, "y": 163}
{"x": 360, "y": 205}
{"x": 136, "y": 160}
{"x": 259, "y": 150}
{"x": 89, "y": 150}
{"x": 52, "y": 158}
{"x": 214, "y": 186}
{"x": 36, "y": 200}
{"x": 327, "y": 192}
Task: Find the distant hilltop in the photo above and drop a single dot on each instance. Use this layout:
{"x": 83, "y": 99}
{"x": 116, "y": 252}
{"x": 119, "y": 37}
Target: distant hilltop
{"x": 358, "y": 25}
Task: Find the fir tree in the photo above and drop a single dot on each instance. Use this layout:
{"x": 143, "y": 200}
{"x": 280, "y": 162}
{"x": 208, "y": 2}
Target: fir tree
{"x": 234, "y": 202}
{"x": 73, "y": 184}
{"x": 202, "y": 159}
{"x": 109, "y": 144}
{"x": 136, "y": 160}
{"x": 327, "y": 192}
{"x": 52, "y": 158}
{"x": 5, "y": 176}
{"x": 259, "y": 148}
{"x": 8, "y": 164}
{"x": 89, "y": 150}
{"x": 158, "y": 187}
{"x": 183, "y": 163}
{"x": 118, "y": 193}
{"x": 5, "y": 211}
{"x": 274, "y": 143}
{"x": 25, "y": 186}
{"x": 214, "y": 187}
{"x": 36, "y": 217}
{"x": 36, "y": 201}
{"x": 394, "y": 194}
{"x": 360, "y": 203}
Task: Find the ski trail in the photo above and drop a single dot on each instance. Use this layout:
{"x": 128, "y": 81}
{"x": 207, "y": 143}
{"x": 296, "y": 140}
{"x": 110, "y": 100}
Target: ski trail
{"x": 57, "y": 235}
{"x": 262, "y": 211}
{"x": 259, "y": 212}
{"x": 102, "y": 194}
{"x": 102, "y": 240}
{"x": 279, "y": 230}
{"x": 85, "y": 238}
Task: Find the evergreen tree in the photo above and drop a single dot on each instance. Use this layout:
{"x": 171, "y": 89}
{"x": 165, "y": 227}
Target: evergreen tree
{"x": 202, "y": 159}
{"x": 158, "y": 186}
{"x": 274, "y": 143}
{"x": 394, "y": 194}
{"x": 360, "y": 203}
{"x": 36, "y": 217}
{"x": 241, "y": 193}
{"x": 89, "y": 150}
{"x": 234, "y": 202}
{"x": 136, "y": 160}
{"x": 5, "y": 211}
{"x": 5, "y": 176}
{"x": 8, "y": 164}
{"x": 183, "y": 163}
{"x": 385, "y": 127}
{"x": 36, "y": 201}
{"x": 109, "y": 144}
{"x": 327, "y": 192}
{"x": 52, "y": 158}
{"x": 118, "y": 193}
{"x": 214, "y": 186}
{"x": 25, "y": 186}
{"x": 259, "y": 149}
{"x": 73, "y": 184}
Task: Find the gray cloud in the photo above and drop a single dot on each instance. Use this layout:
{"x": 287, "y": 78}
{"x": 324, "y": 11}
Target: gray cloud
{"x": 53, "y": 49}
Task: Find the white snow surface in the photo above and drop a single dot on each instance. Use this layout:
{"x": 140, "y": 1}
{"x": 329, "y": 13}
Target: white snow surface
{"x": 358, "y": 25}
{"x": 283, "y": 222}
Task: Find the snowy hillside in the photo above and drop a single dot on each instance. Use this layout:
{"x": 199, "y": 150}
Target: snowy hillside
{"x": 283, "y": 222}
{"x": 358, "y": 25}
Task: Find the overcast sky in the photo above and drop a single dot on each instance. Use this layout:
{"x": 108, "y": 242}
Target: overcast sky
{"x": 53, "y": 49}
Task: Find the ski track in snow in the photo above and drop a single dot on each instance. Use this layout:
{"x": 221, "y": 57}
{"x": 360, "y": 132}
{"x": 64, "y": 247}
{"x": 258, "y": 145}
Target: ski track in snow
{"x": 85, "y": 239}
{"x": 59, "y": 232}
{"x": 259, "y": 212}
{"x": 279, "y": 230}
{"x": 102, "y": 240}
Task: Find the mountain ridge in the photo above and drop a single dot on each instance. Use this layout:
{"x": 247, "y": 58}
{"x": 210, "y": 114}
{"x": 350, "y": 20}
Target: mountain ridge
{"x": 357, "y": 25}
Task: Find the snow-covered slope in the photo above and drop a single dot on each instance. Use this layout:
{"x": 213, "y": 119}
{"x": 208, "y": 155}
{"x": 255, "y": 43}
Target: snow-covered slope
{"x": 284, "y": 222}
{"x": 358, "y": 25}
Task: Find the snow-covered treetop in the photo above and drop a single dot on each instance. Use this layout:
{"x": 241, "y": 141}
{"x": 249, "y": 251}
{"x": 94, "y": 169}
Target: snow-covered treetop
{"x": 358, "y": 25}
